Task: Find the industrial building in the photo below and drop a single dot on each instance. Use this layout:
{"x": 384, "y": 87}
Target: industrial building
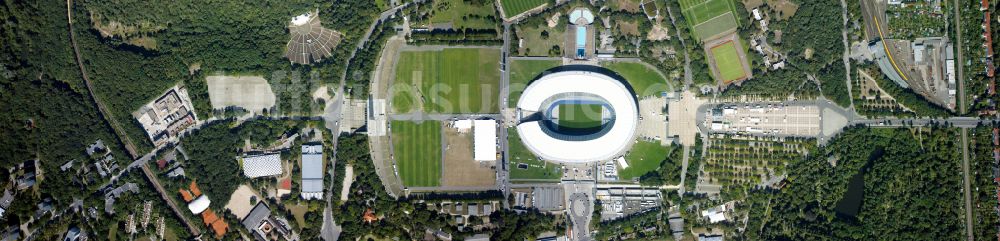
{"x": 312, "y": 171}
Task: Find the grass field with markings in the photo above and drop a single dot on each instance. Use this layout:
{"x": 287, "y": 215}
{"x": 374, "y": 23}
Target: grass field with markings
{"x": 453, "y": 80}
{"x": 580, "y": 116}
{"x": 514, "y": 7}
{"x": 417, "y": 151}
{"x": 728, "y": 62}
{"x": 707, "y": 18}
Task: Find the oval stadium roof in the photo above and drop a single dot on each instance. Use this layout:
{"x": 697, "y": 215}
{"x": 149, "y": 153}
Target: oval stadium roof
{"x": 587, "y": 148}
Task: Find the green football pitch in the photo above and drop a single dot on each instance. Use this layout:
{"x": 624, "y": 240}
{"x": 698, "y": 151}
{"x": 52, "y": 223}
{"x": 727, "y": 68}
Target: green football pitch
{"x": 707, "y": 18}
{"x": 453, "y": 80}
{"x": 727, "y": 60}
{"x": 515, "y": 7}
{"x": 580, "y": 116}
{"x": 417, "y": 151}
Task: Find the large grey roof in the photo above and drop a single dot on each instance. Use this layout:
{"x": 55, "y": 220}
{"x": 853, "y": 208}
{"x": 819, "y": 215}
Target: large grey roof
{"x": 258, "y": 214}
{"x": 312, "y": 185}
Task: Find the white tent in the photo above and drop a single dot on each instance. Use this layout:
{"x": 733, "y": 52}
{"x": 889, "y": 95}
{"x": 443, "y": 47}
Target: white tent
{"x": 485, "y": 145}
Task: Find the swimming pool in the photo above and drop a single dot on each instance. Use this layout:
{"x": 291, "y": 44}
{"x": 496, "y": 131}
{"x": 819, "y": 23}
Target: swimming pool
{"x": 581, "y": 41}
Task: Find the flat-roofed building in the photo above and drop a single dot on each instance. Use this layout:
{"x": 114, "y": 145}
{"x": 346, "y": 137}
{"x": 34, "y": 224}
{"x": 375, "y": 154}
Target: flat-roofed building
{"x": 485, "y": 145}
{"x": 262, "y": 165}
{"x": 312, "y": 171}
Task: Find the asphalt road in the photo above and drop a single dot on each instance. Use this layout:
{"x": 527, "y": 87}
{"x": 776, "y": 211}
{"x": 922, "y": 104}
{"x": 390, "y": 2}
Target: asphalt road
{"x": 503, "y": 174}
{"x": 330, "y": 231}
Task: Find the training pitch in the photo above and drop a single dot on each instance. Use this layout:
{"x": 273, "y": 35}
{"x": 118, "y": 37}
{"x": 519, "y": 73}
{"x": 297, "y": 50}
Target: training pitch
{"x": 417, "y": 151}
{"x": 450, "y": 80}
{"x": 708, "y": 18}
{"x": 514, "y": 7}
{"x": 728, "y": 62}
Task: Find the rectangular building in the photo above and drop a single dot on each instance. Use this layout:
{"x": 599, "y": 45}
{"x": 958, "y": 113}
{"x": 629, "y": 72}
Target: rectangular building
{"x": 485, "y": 145}
{"x": 262, "y": 165}
{"x": 312, "y": 171}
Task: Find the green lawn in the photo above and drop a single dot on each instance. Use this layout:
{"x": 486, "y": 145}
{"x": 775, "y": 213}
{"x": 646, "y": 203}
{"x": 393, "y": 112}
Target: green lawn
{"x": 580, "y": 116}
{"x": 454, "y": 80}
{"x": 299, "y": 212}
{"x": 644, "y": 157}
{"x": 417, "y": 150}
{"x": 113, "y": 231}
{"x": 697, "y": 12}
{"x": 645, "y": 81}
{"x": 515, "y": 7}
{"x": 727, "y": 60}
{"x": 463, "y": 14}
{"x": 535, "y": 44}
{"x": 522, "y": 72}
{"x": 536, "y": 169}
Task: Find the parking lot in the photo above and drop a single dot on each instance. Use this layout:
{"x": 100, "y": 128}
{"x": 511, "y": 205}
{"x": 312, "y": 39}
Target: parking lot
{"x": 767, "y": 119}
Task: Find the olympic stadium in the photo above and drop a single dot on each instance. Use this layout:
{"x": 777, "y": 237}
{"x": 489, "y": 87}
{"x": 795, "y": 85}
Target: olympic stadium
{"x": 577, "y": 116}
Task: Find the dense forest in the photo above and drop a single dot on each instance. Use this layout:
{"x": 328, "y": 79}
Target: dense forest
{"x": 868, "y": 184}
{"x": 776, "y": 85}
{"x": 812, "y": 37}
{"x": 184, "y": 39}
{"x": 48, "y": 114}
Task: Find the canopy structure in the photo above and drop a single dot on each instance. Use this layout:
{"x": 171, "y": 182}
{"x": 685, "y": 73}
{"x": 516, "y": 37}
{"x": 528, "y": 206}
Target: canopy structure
{"x": 614, "y": 136}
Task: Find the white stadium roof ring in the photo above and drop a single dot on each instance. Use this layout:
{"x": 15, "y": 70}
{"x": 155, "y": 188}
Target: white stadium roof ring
{"x": 537, "y": 110}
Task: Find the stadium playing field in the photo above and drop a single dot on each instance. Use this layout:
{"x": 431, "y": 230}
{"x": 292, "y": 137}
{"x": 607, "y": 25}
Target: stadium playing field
{"x": 453, "y": 80}
{"x": 417, "y": 151}
{"x": 727, "y": 61}
{"x": 708, "y": 18}
{"x": 580, "y": 116}
{"x": 514, "y": 7}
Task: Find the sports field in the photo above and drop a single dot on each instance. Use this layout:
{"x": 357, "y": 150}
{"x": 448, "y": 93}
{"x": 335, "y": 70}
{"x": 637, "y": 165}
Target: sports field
{"x": 645, "y": 81}
{"x": 580, "y": 116}
{"x": 708, "y": 18}
{"x": 643, "y": 158}
{"x": 514, "y": 7}
{"x": 453, "y": 80}
{"x": 524, "y": 164}
{"x": 417, "y": 151}
{"x": 728, "y": 62}
{"x": 522, "y": 72}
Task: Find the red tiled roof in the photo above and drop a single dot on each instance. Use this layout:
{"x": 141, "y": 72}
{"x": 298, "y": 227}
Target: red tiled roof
{"x": 161, "y": 163}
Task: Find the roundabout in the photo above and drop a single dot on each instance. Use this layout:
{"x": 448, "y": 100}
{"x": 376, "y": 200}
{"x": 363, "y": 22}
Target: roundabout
{"x": 577, "y": 117}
